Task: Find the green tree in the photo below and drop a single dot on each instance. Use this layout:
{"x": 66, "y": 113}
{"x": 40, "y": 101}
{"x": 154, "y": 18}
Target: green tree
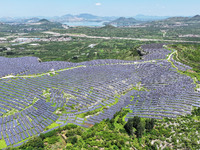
{"x": 34, "y": 143}
{"x": 149, "y": 124}
{"x": 196, "y": 112}
{"x": 139, "y": 130}
{"x": 135, "y": 123}
{"x": 129, "y": 126}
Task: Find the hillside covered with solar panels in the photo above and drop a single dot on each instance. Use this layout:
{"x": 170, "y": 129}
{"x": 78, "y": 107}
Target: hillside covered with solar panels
{"x": 38, "y": 97}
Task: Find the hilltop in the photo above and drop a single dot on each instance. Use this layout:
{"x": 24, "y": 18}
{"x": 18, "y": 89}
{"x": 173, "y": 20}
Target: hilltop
{"x": 44, "y": 21}
{"x": 31, "y": 26}
{"x": 81, "y": 17}
{"x": 196, "y": 18}
{"x": 122, "y": 21}
{"x": 176, "y": 22}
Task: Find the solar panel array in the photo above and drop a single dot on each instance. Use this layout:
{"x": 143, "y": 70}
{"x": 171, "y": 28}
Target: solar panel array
{"x": 151, "y": 89}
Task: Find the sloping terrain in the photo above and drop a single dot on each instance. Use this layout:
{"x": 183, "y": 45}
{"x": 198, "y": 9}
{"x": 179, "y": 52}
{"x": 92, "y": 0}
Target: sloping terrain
{"x": 41, "y": 96}
{"x": 122, "y": 21}
{"x": 41, "y": 25}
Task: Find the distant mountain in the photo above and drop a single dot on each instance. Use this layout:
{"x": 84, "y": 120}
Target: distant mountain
{"x": 46, "y": 24}
{"x": 175, "y": 19}
{"x": 122, "y": 21}
{"x": 176, "y": 22}
{"x": 30, "y": 27}
{"x": 81, "y": 17}
{"x": 150, "y": 18}
{"x": 31, "y": 20}
{"x": 108, "y": 27}
{"x": 195, "y": 18}
{"x": 44, "y": 21}
{"x": 6, "y": 19}
{"x": 88, "y": 16}
{"x": 19, "y": 20}
{"x": 68, "y": 16}
{"x": 93, "y": 18}
{"x": 65, "y": 18}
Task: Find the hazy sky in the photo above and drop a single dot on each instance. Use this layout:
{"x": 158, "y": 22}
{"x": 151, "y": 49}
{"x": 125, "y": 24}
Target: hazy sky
{"x": 16, "y": 8}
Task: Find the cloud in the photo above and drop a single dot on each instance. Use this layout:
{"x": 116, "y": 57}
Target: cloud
{"x": 98, "y": 4}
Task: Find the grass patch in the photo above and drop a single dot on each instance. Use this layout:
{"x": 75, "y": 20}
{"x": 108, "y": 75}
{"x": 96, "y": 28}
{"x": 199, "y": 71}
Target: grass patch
{"x": 2, "y": 144}
{"x": 53, "y": 125}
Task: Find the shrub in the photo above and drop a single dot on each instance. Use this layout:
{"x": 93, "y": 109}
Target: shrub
{"x": 129, "y": 126}
{"x": 134, "y": 123}
{"x": 71, "y": 126}
{"x": 79, "y": 131}
{"x": 122, "y": 142}
{"x": 34, "y": 143}
{"x": 72, "y": 140}
{"x": 122, "y": 130}
{"x": 149, "y": 124}
{"x": 119, "y": 120}
{"x": 48, "y": 134}
{"x": 70, "y": 133}
{"x": 139, "y": 130}
{"x": 196, "y": 112}
{"x": 53, "y": 140}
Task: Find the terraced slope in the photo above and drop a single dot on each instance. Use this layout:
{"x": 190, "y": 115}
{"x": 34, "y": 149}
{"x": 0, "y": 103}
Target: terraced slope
{"x": 39, "y": 97}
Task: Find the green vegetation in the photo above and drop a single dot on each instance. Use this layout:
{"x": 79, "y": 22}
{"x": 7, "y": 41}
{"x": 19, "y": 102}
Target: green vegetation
{"x": 2, "y": 34}
{"x": 179, "y": 133}
{"x": 135, "y": 123}
{"x": 184, "y": 28}
{"x": 110, "y": 31}
{"x": 53, "y": 125}
{"x": 149, "y": 124}
{"x": 78, "y": 50}
{"x": 33, "y": 143}
{"x": 30, "y": 28}
{"x": 122, "y": 21}
{"x": 2, "y": 144}
{"x": 155, "y": 30}
{"x": 137, "y": 133}
{"x": 188, "y": 54}
{"x": 196, "y": 112}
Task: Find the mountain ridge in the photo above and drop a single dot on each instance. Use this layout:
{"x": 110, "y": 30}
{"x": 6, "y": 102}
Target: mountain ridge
{"x": 86, "y": 17}
{"x": 123, "y": 21}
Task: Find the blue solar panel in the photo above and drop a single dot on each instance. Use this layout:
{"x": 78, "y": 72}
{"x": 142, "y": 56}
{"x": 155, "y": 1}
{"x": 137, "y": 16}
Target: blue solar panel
{"x": 19, "y": 137}
{"x": 7, "y": 142}
{"x": 23, "y": 137}
{"x": 15, "y": 139}
{"x": 11, "y": 140}
{"x": 26, "y": 134}
{"x": 33, "y": 131}
{"x": 30, "y": 133}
